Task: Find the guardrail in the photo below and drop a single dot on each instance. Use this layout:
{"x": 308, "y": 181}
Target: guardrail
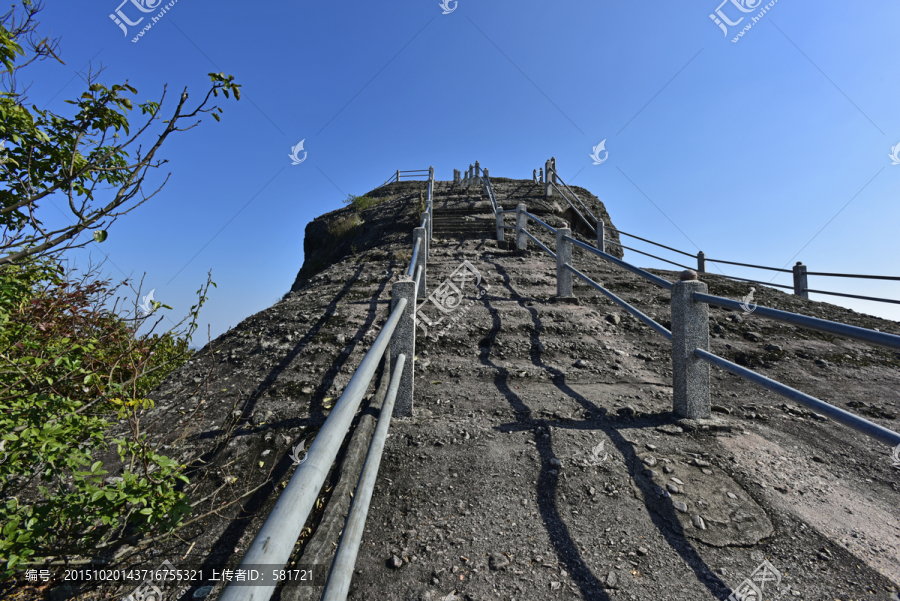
{"x": 395, "y": 177}
{"x": 799, "y": 271}
{"x": 275, "y": 542}
{"x": 691, "y": 357}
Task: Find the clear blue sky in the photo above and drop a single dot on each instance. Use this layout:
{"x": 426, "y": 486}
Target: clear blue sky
{"x": 744, "y": 149}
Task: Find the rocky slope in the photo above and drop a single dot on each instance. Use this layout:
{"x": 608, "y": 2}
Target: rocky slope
{"x": 543, "y": 460}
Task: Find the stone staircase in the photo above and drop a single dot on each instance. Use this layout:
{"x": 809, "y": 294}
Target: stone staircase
{"x": 461, "y": 212}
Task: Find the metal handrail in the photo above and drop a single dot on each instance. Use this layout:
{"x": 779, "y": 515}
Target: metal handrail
{"x": 556, "y": 173}
{"x": 749, "y": 265}
{"x": 846, "y": 418}
{"x": 637, "y": 270}
{"x": 414, "y": 171}
{"x": 415, "y": 255}
{"x": 871, "y": 298}
{"x": 418, "y": 276}
{"x": 275, "y": 542}
{"x": 813, "y": 323}
{"x": 647, "y": 320}
{"x": 338, "y": 583}
{"x": 539, "y": 243}
{"x": 586, "y": 222}
{"x": 651, "y": 242}
{"x": 855, "y": 275}
{"x": 731, "y": 277}
{"x": 495, "y": 206}
{"x": 648, "y": 254}
{"x": 539, "y": 222}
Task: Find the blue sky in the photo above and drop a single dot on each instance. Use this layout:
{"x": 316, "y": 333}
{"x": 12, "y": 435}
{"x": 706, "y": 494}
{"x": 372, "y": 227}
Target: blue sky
{"x": 745, "y": 150}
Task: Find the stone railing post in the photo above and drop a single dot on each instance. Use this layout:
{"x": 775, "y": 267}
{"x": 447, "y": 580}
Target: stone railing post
{"x": 500, "y": 229}
{"x": 701, "y": 262}
{"x": 470, "y": 178}
{"x": 541, "y": 175}
{"x": 521, "y": 227}
{"x": 477, "y": 172}
{"x": 534, "y": 175}
{"x": 421, "y": 233}
{"x": 800, "y": 285}
{"x": 398, "y": 175}
{"x": 553, "y": 166}
{"x": 690, "y": 331}
{"x": 601, "y": 236}
{"x": 431, "y": 173}
{"x": 548, "y": 191}
{"x": 404, "y": 342}
{"x": 563, "y": 258}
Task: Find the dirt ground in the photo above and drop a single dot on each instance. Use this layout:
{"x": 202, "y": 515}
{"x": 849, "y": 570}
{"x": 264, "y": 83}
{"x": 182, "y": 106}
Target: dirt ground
{"x": 543, "y": 459}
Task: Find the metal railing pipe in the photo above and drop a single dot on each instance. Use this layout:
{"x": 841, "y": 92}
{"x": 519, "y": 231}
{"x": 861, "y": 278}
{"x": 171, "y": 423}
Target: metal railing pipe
{"x": 415, "y": 257}
{"x": 864, "y": 426}
{"x": 552, "y": 230}
{"x": 275, "y": 542}
{"x": 637, "y": 270}
{"x": 646, "y": 319}
{"x": 870, "y": 298}
{"x": 541, "y": 244}
{"x": 577, "y": 212}
{"x": 557, "y": 177}
{"x": 338, "y": 584}
{"x": 813, "y": 323}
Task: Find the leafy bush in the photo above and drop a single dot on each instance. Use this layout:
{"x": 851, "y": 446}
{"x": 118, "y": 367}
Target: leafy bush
{"x": 360, "y": 203}
{"x": 66, "y": 367}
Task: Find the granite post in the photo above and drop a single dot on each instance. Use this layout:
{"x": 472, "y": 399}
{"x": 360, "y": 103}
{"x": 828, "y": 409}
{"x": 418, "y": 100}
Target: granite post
{"x": 547, "y": 190}
{"x": 701, "y": 262}
{"x": 500, "y": 230}
{"x": 553, "y": 167}
{"x": 521, "y": 227}
{"x": 404, "y": 342}
{"x": 690, "y": 331}
{"x": 534, "y": 175}
{"x": 601, "y": 236}
{"x": 800, "y": 285}
{"x": 563, "y": 257}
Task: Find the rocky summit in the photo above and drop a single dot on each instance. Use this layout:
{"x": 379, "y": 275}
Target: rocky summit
{"x": 543, "y": 459}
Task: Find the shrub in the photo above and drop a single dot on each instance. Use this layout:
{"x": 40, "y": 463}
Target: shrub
{"x": 61, "y": 354}
{"x": 344, "y": 226}
{"x": 360, "y": 203}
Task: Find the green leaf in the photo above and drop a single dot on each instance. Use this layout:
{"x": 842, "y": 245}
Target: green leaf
{"x": 216, "y": 116}
{"x": 100, "y": 235}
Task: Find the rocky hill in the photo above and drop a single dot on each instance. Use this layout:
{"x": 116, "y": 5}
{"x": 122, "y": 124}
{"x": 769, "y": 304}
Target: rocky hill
{"x": 543, "y": 460}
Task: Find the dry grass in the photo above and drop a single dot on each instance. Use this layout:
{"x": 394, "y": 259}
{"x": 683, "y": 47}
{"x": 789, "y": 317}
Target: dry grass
{"x": 343, "y": 227}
